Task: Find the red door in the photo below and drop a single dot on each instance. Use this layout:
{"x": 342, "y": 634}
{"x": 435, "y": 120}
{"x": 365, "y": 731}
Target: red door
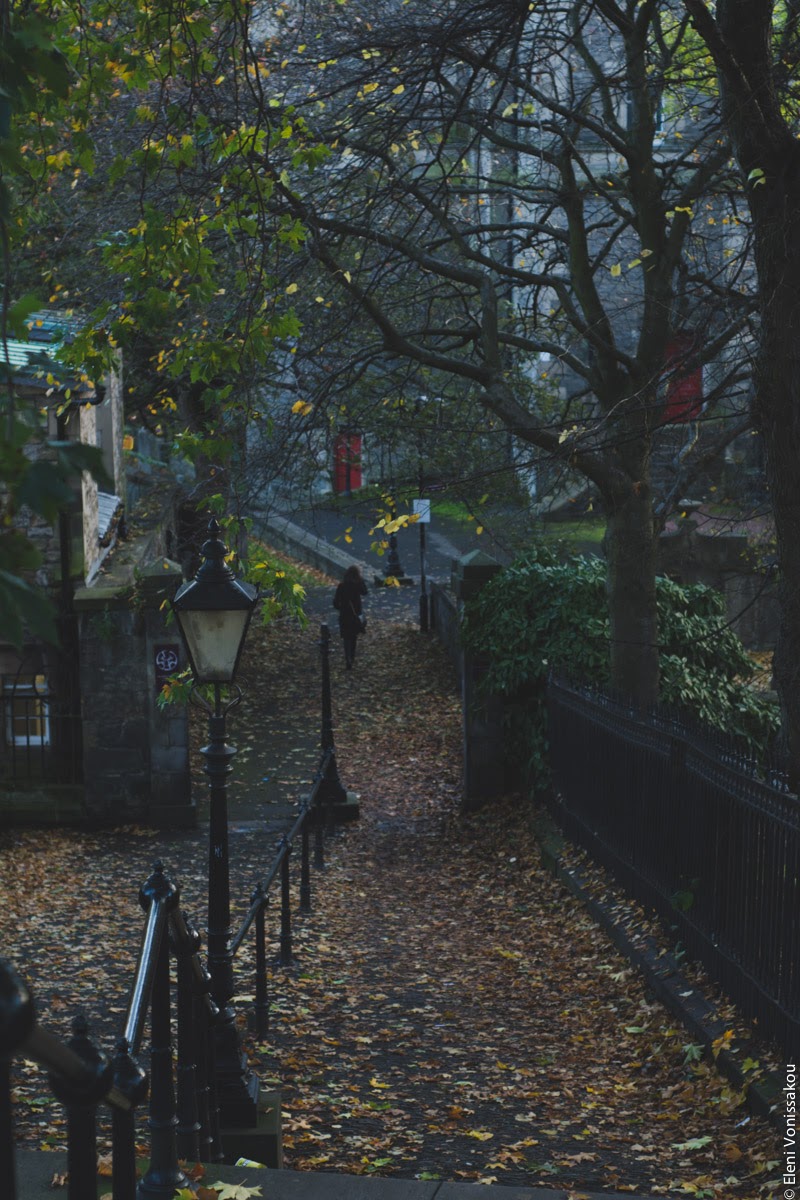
{"x": 346, "y": 463}
{"x": 684, "y": 397}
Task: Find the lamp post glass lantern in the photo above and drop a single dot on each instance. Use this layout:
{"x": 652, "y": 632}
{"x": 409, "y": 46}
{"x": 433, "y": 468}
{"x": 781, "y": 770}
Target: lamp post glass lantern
{"x": 213, "y": 612}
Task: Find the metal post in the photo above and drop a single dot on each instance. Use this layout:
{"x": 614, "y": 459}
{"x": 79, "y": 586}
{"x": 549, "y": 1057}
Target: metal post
{"x": 17, "y": 1019}
{"x": 189, "y": 1051}
{"x": 326, "y": 731}
{"x": 131, "y": 1080}
{"x": 319, "y": 843}
{"x": 331, "y": 791}
{"x": 164, "y": 1176}
{"x": 81, "y": 1121}
{"x": 237, "y": 1088}
{"x": 262, "y": 994}
{"x": 423, "y": 589}
{"x": 393, "y": 565}
{"x": 305, "y": 869}
{"x": 8, "y": 1167}
{"x": 286, "y": 907}
{"x": 206, "y": 1014}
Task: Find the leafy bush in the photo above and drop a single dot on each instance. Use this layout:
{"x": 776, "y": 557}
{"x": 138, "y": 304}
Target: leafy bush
{"x": 546, "y": 612}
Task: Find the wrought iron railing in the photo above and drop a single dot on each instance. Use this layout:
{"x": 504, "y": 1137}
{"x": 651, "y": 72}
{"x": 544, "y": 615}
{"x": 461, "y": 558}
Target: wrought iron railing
{"x": 698, "y": 830}
{"x": 184, "y": 1094}
{"x": 183, "y": 1113}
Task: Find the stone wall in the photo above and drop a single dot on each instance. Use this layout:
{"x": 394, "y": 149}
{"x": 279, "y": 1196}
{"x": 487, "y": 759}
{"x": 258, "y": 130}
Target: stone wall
{"x": 483, "y": 750}
{"x": 728, "y": 563}
{"x": 136, "y": 756}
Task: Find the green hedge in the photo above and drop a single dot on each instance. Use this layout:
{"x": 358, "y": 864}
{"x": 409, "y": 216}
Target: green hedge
{"x": 546, "y": 611}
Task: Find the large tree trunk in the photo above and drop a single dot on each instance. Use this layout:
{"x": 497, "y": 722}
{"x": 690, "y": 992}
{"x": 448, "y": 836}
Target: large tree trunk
{"x": 630, "y": 548}
{"x": 777, "y": 409}
{"x": 751, "y": 59}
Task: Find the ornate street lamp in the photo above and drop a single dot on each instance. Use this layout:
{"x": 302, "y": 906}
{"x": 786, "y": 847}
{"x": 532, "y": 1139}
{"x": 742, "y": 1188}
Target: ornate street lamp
{"x": 213, "y": 612}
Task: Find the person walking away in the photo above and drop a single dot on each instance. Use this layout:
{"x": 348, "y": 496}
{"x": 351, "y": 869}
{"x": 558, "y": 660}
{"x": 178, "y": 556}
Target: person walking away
{"x": 347, "y": 602}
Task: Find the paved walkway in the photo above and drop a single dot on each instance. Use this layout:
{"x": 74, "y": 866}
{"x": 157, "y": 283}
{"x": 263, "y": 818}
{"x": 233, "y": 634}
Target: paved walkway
{"x": 276, "y": 760}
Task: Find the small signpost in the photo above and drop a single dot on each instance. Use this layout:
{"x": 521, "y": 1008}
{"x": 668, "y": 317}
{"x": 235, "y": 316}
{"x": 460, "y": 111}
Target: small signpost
{"x": 422, "y": 511}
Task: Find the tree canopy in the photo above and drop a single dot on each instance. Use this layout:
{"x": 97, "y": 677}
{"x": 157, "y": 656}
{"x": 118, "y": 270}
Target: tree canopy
{"x": 538, "y": 203}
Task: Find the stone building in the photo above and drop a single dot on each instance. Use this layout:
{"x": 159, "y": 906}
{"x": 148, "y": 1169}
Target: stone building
{"x": 81, "y": 738}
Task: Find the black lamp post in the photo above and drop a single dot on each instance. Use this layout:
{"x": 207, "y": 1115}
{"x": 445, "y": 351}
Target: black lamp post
{"x": 213, "y": 612}
{"x": 393, "y": 565}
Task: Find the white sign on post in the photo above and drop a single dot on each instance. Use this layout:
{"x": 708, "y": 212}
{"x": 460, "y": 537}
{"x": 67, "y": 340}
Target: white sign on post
{"x": 422, "y": 511}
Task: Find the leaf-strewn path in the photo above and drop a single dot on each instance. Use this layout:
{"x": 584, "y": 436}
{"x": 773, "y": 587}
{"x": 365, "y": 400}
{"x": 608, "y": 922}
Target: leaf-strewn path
{"x": 454, "y": 1013}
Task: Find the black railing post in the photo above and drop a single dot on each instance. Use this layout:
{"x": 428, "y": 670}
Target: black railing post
{"x": 262, "y": 995}
{"x": 424, "y": 624}
{"x": 164, "y": 1176}
{"x": 326, "y": 730}
{"x": 17, "y": 1019}
{"x": 8, "y": 1166}
{"x": 393, "y": 565}
{"x": 131, "y": 1080}
{"x": 285, "y": 959}
{"x": 319, "y": 845}
{"x": 331, "y": 790}
{"x": 189, "y": 1048}
{"x": 305, "y": 868}
{"x": 81, "y": 1105}
{"x": 237, "y": 1088}
{"x": 205, "y": 1019}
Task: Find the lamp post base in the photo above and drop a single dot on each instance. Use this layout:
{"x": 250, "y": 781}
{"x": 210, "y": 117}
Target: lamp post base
{"x": 237, "y": 1097}
{"x": 260, "y": 1140}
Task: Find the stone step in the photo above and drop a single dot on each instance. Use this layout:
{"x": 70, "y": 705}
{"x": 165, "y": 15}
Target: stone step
{"x": 35, "y": 1172}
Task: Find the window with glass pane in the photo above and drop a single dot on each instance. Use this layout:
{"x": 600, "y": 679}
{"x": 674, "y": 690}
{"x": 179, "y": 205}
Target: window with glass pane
{"x": 26, "y": 709}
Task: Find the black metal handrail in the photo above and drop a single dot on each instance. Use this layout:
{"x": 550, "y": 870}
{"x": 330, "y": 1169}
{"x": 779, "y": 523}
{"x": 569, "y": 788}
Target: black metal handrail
{"x": 80, "y": 1075}
{"x": 314, "y": 814}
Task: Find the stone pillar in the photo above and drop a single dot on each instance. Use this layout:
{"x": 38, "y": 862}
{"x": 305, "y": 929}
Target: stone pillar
{"x": 484, "y": 758}
{"x": 171, "y": 804}
{"x": 729, "y": 563}
{"x": 135, "y": 755}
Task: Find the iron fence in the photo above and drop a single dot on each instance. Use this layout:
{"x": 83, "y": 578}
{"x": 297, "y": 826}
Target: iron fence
{"x": 697, "y": 830}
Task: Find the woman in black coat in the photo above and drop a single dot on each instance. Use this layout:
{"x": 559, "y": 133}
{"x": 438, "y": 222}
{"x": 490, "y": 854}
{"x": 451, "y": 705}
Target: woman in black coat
{"x": 347, "y": 601}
